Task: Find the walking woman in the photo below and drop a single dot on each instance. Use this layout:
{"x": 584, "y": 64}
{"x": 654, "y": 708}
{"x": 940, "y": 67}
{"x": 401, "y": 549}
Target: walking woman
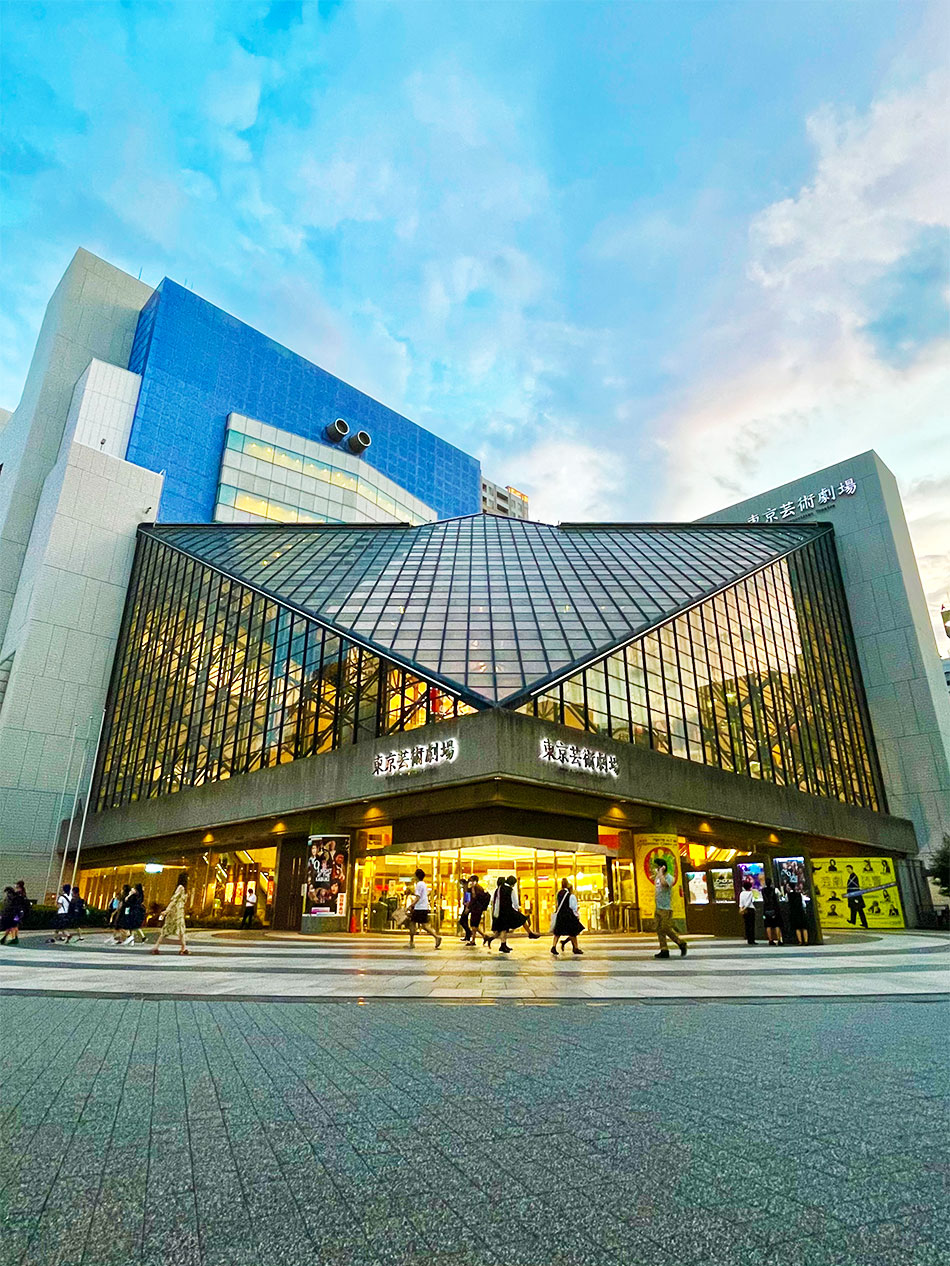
{"x": 506, "y": 916}
{"x": 21, "y": 908}
{"x": 134, "y": 915}
{"x": 565, "y": 924}
{"x": 8, "y": 914}
{"x": 174, "y": 916}
{"x": 119, "y": 929}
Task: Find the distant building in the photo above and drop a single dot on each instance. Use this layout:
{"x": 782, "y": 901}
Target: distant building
{"x": 506, "y": 501}
{"x": 145, "y": 404}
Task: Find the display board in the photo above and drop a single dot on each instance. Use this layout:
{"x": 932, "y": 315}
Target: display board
{"x": 325, "y": 886}
{"x": 876, "y": 886}
{"x": 697, "y": 888}
{"x": 723, "y": 884}
{"x": 648, "y": 849}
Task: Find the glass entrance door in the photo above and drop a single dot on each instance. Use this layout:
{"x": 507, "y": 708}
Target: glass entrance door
{"x": 384, "y": 881}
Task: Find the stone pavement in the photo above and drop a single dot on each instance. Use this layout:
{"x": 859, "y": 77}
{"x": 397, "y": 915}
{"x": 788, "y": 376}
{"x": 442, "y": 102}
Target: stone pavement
{"x": 854, "y": 964}
{"x": 237, "y": 1133}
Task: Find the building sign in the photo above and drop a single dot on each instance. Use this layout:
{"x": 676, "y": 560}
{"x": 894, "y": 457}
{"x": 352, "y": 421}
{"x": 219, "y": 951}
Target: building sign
{"x": 553, "y": 752}
{"x": 410, "y": 759}
{"x": 872, "y": 891}
{"x": 823, "y": 499}
{"x": 328, "y": 858}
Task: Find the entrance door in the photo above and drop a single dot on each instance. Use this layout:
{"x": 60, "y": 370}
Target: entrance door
{"x": 291, "y": 876}
{"x": 384, "y": 881}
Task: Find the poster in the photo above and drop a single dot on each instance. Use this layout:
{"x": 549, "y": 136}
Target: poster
{"x": 647, "y": 850}
{"x": 751, "y": 870}
{"x": 697, "y": 888}
{"x": 723, "y": 886}
{"x": 874, "y": 882}
{"x": 328, "y": 860}
{"x": 791, "y": 873}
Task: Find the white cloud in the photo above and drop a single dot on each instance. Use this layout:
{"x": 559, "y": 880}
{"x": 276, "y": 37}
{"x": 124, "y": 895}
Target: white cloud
{"x": 791, "y": 380}
{"x": 568, "y": 480}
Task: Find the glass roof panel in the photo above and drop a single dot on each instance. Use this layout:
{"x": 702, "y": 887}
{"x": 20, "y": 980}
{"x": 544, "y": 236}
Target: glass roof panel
{"x": 499, "y": 596}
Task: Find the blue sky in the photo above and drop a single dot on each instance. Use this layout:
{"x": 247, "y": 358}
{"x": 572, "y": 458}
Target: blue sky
{"x": 643, "y": 259}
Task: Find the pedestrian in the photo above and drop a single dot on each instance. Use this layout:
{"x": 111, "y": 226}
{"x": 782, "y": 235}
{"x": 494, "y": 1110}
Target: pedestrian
{"x": 855, "y": 900}
{"x": 174, "y": 916}
{"x": 663, "y": 902}
{"x": 134, "y": 915}
{"x": 476, "y": 911}
{"x": 21, "y": 909}
{"x": 796, "y": 914}
{"x": 420, "y": 911}
{"x": 8, "y": 910}
{"x": 771, "y": 914}
{"x": 747, "y": 910}
{"x": 250, "y": 906}
{"x": 565, "y": 923}
{"x": 465, "y": 910}
{"x": 506, "y": 915}
{"x": 77, "y": 915}
{"x": 118, "y": 919}
{"x": 61, "y": 918}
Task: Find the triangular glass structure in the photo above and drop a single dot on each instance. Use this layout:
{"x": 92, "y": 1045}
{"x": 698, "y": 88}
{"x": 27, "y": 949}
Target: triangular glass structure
{"x": 489, "y": 606}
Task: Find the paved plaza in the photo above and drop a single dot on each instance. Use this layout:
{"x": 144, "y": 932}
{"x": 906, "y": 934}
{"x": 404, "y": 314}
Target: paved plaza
{"x": 176, "y": 1111}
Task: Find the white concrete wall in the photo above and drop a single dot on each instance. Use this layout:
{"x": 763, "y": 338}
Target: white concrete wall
{"x": 103, "y": 408}
{"x": 91, "y": 315}
{"x": 907, "y": 696}
{"x": 61, "y": 635}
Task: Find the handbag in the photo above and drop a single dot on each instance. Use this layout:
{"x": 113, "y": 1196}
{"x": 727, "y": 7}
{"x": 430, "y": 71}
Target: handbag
{"x": 400, "y": 916}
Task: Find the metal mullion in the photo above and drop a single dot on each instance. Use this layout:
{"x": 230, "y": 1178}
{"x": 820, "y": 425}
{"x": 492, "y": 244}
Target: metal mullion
{"x": 299, "y": 734}
{"x": 832, "y": 669}
{"x": 678, "y": 659}
{"x": 800, "y": 685}
{"x": 130, "y": 734}
{"x": 646, "y": 690}
{"x": 762, "y": 674}
{"x": 173, "y": 668}
{"x": 248, "y": 756}
{"x": 338, "y": 702}
{"x": 158, "y": 672}
{"x": 821, "y": 595}
{"x": 710, "y": 679}
{"x": 128, "y": 648}
{"x": 227, "y": 761}
{"x": 184, "y": 688}
{"x": 197, "y": 719}
{"x": 214, "y": 759}
{"x": 250, "y": 612}
{"x": 319, "y": 641}
{"x": 285, "y": 677}
{"x": 514, "y": 622}
{"x": 743, "y": 589}
{"x": 722, "y": 665}
{"x": 829, "y": 579}
{"x": 178, "y": 674}
{"x": 786, "y": 688}
{"x": 812, "y": 687}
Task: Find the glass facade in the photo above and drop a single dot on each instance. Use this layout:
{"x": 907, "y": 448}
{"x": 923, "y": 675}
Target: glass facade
{"x": 268, "y": 474}
{"x": 760, "y": 679}
{"x": 489, "y": 606}
{"x": 246, "y": 647}
{"x": 214, "y": 679}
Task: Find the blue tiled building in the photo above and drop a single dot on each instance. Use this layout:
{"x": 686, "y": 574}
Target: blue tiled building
{"x": 200, "y": 364}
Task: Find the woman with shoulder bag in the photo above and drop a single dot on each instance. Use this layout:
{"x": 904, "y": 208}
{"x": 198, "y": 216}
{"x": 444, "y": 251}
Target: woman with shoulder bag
{"x": 174, "y": 916}
{"x": 565, "y": 925}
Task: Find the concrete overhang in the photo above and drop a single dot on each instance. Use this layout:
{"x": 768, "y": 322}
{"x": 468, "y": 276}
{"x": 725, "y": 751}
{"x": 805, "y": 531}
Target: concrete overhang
{"x": 497, "y": 761}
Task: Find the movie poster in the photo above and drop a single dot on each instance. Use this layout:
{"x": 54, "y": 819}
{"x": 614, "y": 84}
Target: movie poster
{"x": 697, "y": 888}
{"x": 857, "y": 892}
{"x": 650, "y": 848}
{"x": 723, "y": 884}
{"x": 328, "y": 860}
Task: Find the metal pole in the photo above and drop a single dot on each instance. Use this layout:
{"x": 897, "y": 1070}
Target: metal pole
{"x": 62, "y": 805}
{"x": 85, "y": 809}
{"x": 72, "y": 816}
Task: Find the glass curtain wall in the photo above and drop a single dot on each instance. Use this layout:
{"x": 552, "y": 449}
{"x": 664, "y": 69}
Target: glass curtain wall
{"x": 214, "y": 679}
{"x": 760, "y": 679}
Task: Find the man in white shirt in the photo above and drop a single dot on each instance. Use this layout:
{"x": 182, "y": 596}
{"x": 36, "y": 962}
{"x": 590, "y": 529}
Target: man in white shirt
{"x": 419, "y": 911}
{"x": 250, "y": 906}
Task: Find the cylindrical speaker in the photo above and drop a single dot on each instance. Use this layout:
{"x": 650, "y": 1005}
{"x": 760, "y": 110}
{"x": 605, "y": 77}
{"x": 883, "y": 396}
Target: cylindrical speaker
{"x": 359, "y": 442}
{"x": 337, "y": 431}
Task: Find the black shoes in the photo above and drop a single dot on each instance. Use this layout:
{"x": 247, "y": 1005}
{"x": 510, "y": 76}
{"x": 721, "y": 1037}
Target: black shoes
{"x": 574, "y": 951}
{"x": 505, "y": 949}
{"x": 682, "y": 951}
{"x": 534, "y": 936}
{"x": 554, "y": 951}
{"x": 662, "y": 954}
